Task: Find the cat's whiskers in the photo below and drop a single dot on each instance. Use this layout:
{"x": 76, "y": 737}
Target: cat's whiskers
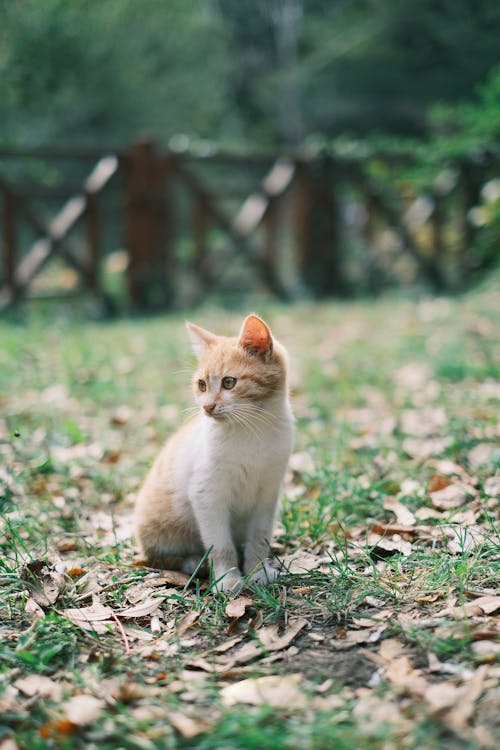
{"x": 259, "y": 414}
{"x": 245, "y": 423}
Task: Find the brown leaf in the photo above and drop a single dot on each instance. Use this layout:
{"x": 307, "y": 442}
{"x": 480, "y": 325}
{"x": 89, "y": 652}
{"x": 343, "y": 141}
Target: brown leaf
{"x": 438, "y": 482}
{"x": 147, "y": 607}
{"x": 484, "y": 605}
{"x": 267, "y": 639}
{"x": 45, "y": 583}
{"x": 169, "y": 578}
{"x": 272, "y": 641}
{"x": 33, "y": 610}
{"x": 486, "y": 650}
{"x": 83, "y": 709}
{"x": 422, "y": 449}
{"x": 279, "y": 691}
{"x": 187, "y": 726}
{"x": 390, "y": 648}
{"x": 492, "y": 487}
{"x": 404, "y": 516}
{"x": 480, "y": 455}
{"x": 75, "y": 572}
{"x": 96, "y": 617}
{"x": 236, "y": 607}
{"x": 187, "y": 621}
{"x": 387, "y": 547}
{"x": 450, "y": 497}
{"x": 302, "y": 562}
{"x": 66, "y": 545}
{"x": 373, "y": 712}
{"x": 461, "y": 701}
{"x": 355, "y": 637}
{"x": 406, "y": 532}
{"x": 441, "y": 695}
{"x": 372, "y": 621}
{"x": 228, "y": 644}
{"x": 400, "y": 672}
{"x": 36, "y": 684}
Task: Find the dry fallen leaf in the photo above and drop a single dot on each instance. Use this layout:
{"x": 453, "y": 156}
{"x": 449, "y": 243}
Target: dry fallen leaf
{"x": 438, "y": 482}
{"x": 187, "y": 726}
{"x": 372, "y": 711}
{"x": 355, "y": 637}
{"x": 44, "y": 582}
{"x": 302, "y": 562}
{"x": 481, "y": 454}
{"x": 267, "y": 639}
{"x": 385, "y": 547}
{"x": 169, "y": 578}
{"x": 83, "y": 709}
{"x": 390, "y": 648}
{"x": 149, "y": 606}
{"x": 457, "y": 703}
{"x": 451, "y": 496}
{"x": 187, "y": 621}
{"x": 484, "y": 605}
{"x": 39, "y": 685}
{"x": 236, "y": 607}
{"x": 422, "y": 449}
{"x": 441, "y": 695}
{"x": 492, "y": 487}
{"x": 400, "y": 672}
{"x": 33, "y": 610}
{"x": 486, "y": 650}
{"x": 404, "y": 516}
{"x": 95, "y": 617}
{"x": 279, "y": 691}
{"x": 370, "y": 621}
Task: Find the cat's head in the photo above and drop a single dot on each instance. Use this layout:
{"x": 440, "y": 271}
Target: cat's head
{"x": 236, "y": 378}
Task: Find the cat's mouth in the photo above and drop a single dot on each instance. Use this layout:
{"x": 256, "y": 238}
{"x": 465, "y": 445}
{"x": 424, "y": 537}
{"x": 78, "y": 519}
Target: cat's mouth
{"x": 215, "y": 415}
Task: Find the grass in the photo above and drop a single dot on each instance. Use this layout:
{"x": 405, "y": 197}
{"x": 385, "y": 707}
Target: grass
{"x": 384, "y": 393}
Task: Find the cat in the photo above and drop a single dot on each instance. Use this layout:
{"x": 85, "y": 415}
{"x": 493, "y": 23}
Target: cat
{"x": 214, "y": 486}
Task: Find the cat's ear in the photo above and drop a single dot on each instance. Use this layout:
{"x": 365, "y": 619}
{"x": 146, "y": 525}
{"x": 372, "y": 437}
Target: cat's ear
{"x": 200, "y": 338}
{"x": 255, "y": 337}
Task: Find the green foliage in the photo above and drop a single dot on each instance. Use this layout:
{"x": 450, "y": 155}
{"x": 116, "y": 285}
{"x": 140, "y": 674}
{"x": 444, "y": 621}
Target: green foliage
{"x": 270, "y": 71}
{"x": 79, "y": 71}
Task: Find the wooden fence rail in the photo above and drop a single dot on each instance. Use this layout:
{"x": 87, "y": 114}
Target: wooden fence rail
{"x": 316, "y": 215}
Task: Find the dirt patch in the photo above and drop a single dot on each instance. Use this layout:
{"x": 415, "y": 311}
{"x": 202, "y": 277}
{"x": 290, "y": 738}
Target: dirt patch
{"x": 319, "y": 661}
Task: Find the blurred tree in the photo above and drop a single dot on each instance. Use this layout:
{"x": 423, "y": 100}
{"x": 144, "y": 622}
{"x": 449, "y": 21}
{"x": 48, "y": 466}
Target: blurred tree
{"x": 269, "y": 71}
{"x": 399, "y": 58}
{"x": 325, "y": 66}
{"x": 102, "y": 71}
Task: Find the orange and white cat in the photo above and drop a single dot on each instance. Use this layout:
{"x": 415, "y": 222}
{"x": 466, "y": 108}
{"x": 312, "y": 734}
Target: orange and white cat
{"x": 214, "y": 486}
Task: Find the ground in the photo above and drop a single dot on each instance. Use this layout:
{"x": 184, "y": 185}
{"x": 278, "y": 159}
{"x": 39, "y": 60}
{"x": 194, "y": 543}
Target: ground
{"x": 382, "y": 631}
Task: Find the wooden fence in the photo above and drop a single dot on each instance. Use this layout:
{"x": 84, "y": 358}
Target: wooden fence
{"x": 194, "y": 223}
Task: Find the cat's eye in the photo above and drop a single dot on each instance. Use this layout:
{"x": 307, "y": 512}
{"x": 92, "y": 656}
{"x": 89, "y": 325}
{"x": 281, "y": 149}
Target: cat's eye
{"x": 228, "y": 383}
{"x": 202, "y": 385}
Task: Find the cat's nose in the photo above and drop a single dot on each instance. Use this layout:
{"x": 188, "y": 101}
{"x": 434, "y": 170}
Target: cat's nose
{"x": 209, "y": 408}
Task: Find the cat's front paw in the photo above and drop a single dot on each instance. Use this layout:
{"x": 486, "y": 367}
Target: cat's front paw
{"x": 230, "y": 581}
{"x": 263, "y": 574}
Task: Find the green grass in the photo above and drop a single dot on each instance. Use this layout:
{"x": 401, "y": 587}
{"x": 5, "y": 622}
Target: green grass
{"x": 84, "y": 408}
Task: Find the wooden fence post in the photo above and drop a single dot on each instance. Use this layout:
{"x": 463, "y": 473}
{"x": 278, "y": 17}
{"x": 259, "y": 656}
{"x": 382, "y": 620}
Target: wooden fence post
{"x": 9, "y": 240}
{"x": 201, "y": 217}
{"x": 269, "y": 256}
{"x": 147, "y": 227}
{"x": 317, "y": 228}
{"x": 92, "y": 230}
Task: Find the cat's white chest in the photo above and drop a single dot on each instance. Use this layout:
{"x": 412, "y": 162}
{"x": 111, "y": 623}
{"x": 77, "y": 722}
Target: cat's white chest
{"x": 237, "y": 467}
